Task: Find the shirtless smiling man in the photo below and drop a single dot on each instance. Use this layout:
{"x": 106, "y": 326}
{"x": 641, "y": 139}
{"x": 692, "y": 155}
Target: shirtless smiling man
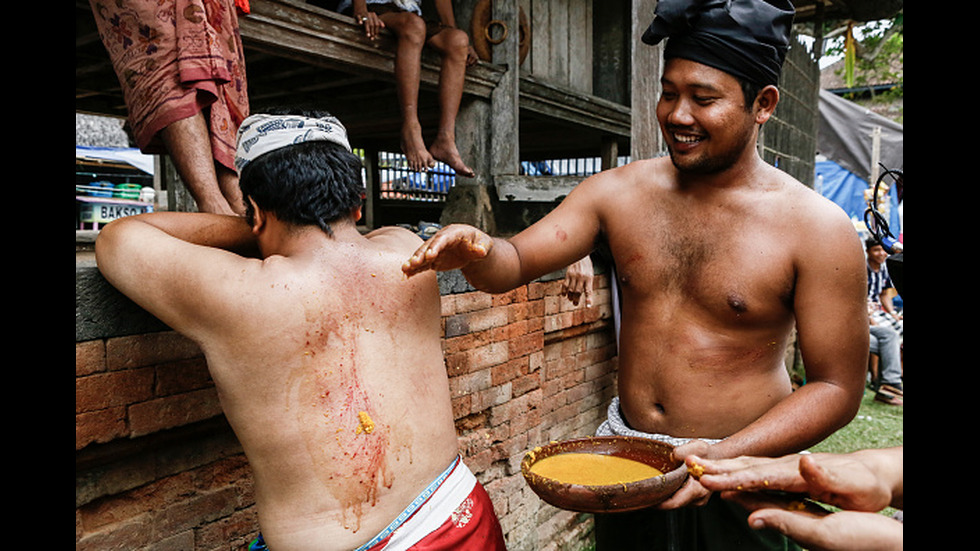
{"x": 326, "y": 358}
{"x": 719, "y": 257}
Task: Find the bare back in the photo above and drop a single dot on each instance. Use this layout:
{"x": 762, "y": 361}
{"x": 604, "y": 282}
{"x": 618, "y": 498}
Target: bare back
{"x": 331, "y": 372}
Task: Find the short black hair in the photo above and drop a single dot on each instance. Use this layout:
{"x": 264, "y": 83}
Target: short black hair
{"x": 750, "y": 90}
{"x": 311, "y": 183}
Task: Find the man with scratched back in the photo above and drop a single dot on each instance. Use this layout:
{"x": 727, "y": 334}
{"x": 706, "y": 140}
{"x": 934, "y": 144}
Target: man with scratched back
{"x": 719, "y": 257}
{"x": 327, "y": 359}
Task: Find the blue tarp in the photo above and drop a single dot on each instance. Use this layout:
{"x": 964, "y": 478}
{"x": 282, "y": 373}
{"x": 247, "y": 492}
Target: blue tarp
{"x": 847, "y": 190}
{"x": 129, "y": 156}
{"x": 846, "y": 137}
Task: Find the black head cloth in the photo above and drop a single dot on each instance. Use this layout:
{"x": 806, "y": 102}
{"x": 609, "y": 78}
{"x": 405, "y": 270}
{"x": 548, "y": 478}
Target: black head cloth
{"x": 747, "y": 39}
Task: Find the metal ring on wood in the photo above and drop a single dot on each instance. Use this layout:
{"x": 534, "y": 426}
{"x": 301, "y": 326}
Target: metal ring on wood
{"x": 480, "y": 29}
{"x": 489, "y": 35}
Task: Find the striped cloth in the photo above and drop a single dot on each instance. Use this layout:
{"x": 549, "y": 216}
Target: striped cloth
{"x": 878, "y": 282}
{"x": 615, "y": 425}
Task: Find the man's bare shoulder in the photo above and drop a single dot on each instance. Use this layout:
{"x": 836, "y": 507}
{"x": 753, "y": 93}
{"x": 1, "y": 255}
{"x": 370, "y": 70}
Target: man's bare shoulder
{"x": 810, "y": 206}
{"x": 394, "y": 237}
{"x": 644, "y": 171}
{"x": 612, "y": 187}
{"x": 821, "y": 230}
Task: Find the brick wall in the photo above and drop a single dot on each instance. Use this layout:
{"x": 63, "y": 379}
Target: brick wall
{"x": 158, "y": 468}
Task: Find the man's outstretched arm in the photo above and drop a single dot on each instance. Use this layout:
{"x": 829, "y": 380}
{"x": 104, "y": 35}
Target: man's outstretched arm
{"x": 489, "y": 264}
{"x": 496, "y": 265}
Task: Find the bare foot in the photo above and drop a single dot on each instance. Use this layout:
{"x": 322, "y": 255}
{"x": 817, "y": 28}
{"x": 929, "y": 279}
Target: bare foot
{"x": 445, "y": 151}
{"x": 419, "y": 158}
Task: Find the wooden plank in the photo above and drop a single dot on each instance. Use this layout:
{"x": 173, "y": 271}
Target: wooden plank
{"x": 579, "y": 40}
{"x": 306, "y": 33}
{"x": 559, "y": 43}
{"x": 535, "y": 188}
{"x": 540, "y": 55}
{"x": 569, "y": 105}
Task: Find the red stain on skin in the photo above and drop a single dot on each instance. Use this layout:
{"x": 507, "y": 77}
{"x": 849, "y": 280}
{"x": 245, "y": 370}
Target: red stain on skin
{"x": 362, "y": 450}
{"x": 347, "y": 441}
{"x": 560, "y": 234}
{"x": 632, "y": 258}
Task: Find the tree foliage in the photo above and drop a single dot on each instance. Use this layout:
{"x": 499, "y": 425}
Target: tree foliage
{"x": 873, "y": 52}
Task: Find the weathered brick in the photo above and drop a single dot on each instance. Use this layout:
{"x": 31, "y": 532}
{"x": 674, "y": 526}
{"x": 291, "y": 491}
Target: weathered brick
{"x": 493, "y": 396}
{"x": 535, "y": 290}
{"x": 129, "y": 534}
{"x": 526, "y": 344}
{"x": 469, "y": 302}
{"x": 89, "y": 357}
{"x": 100, "y": 426}
{"x": 486, "y": 356}
{"x": 174, "y": 542}
{"x": 191, "y": 511}
{"x": 516, "y": 295}
{"x": 475, "y": 321}
{"x": 470, "y": 383}
{"x": 183, "y": 376}
{"x": 103, "y": 390}
{"x": 509, "y": 370}
{"x": 526, "y": 383}
{"x": 452, "y": 345}
{"x": 447, "y": 305}
{"x": 462, "y": 405}
{"x": 235, "y": 531}
{"x": 173, "y": 411}
{"x": 552, "y": 392}
{"x": 154, "y": 348}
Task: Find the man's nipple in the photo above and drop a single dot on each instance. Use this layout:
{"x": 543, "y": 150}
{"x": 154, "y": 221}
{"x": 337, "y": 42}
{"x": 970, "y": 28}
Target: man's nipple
{"x": 737, "y": 303}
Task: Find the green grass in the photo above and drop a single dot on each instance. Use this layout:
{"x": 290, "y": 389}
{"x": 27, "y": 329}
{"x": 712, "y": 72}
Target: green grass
{"x": 876, "y": 425}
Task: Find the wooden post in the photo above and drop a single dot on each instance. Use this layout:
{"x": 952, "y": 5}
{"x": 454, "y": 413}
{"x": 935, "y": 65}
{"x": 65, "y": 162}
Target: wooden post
{"x": 609, "y": 153}
{"x": 645, "y": 139}
{"x": 179, "y": 198}
{"x": 504, "y": 100}
{"x": 372, "y": 185}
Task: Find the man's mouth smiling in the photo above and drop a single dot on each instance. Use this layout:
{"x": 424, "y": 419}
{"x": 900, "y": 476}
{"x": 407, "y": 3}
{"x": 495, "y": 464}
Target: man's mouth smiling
{"x": 686, "y": 139}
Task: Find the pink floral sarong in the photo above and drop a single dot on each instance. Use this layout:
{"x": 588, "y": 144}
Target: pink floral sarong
{"x": 175, "y": 58}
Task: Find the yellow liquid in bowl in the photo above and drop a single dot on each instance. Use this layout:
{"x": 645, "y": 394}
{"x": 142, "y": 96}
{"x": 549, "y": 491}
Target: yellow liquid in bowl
{"x": 589, "y": 469}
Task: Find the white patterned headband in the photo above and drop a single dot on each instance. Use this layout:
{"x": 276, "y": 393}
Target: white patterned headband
{"x": 260, "y": 134}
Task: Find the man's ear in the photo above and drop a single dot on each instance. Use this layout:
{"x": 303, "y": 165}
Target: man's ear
{"x": 765, "y": 103}
{"x": 258, "y": 220}
{"x": 356, "y": 214}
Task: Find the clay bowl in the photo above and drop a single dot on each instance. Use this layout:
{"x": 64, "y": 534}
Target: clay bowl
{"x": 608, "y": 498}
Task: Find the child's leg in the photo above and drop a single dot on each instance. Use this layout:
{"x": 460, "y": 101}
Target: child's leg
{"x": 410, "y": 30}
{"x": 454, "y": 46}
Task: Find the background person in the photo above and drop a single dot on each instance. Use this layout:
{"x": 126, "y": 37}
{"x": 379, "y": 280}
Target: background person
{"x": 887, "y": 327}
{"x": 413, "y": 30}
{"x": 181, "y": 67}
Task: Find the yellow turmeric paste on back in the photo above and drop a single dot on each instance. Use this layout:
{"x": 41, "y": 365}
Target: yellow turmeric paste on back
{"x": 589, "y": 469}
{"x": 365, "y": 424}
